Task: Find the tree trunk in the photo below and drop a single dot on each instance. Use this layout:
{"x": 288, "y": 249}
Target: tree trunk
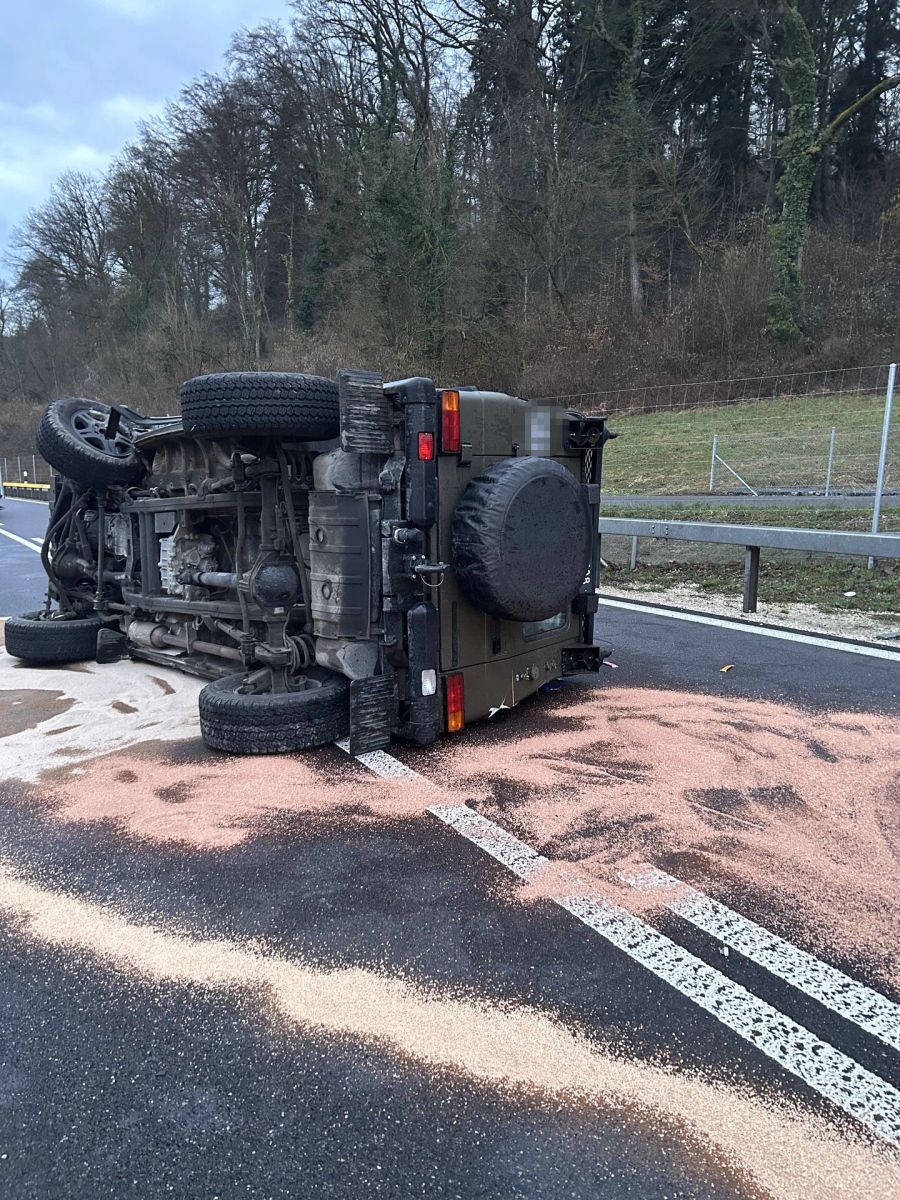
{"x": 794, "y": 188}
{"x": 634, "y": 263}
{"x": 799, "y": 152}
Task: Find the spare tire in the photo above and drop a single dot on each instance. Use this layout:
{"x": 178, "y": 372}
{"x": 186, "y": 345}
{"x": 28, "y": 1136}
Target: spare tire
{"x": 72, "y": 438}
{"x": 261, "y": 402}
{"x": 521, "y": 539}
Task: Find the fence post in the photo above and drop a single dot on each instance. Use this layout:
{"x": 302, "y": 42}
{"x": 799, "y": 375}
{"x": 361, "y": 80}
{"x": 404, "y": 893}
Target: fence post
{"x": 634, "y": 543}
{"x": 882, "y": 457}
{"x": 19, "y": 461}
{"x": 830, "y": 462}
{"x": 34, "y": 477}
{"x": 712, "y": 463}
{"x": 751, "y": 578}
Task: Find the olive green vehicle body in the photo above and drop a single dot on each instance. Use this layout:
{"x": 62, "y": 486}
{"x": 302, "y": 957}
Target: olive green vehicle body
{"x": 502, "y": 662}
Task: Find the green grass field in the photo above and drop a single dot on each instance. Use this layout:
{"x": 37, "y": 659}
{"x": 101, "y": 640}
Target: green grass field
{"x": 773, "y": 443}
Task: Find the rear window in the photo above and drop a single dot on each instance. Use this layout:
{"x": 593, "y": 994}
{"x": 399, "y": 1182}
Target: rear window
{"x": 536, "y": 629}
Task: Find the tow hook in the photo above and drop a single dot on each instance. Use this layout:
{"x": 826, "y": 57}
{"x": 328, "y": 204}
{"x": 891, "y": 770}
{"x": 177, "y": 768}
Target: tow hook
{"x": 427, "y": 568}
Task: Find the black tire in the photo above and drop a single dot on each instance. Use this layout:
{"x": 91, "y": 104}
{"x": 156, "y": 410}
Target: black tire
{"x": 261, "y": 402}
{"x": 521, "y": 539}
{"x": 71, "y": 438}
{"x": 270, "y": 722}
{"x": 37, "y": 638}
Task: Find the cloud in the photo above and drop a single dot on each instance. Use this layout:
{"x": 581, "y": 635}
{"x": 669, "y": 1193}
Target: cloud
{"x": 30, "y": 171}
{"x": 86, "y": 72}
{"x": 139, "y": 10}
{"x": 128, "y": 110}
{"x": 41, "y": 113}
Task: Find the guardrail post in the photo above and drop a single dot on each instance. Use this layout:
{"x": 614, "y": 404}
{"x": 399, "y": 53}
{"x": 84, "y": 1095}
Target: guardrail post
{"x": 751, "y": 578}
{"x": 634, "y": 543}
{"x": 882, "y": 457}
{"x": 830, "y": 462}
{"x": 712, "y": 463}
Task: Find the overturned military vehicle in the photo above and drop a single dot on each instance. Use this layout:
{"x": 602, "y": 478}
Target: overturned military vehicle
{"x": 354, "y": 558}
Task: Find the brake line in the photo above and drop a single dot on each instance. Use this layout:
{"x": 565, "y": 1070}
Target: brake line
{"x": 62, "y": 595}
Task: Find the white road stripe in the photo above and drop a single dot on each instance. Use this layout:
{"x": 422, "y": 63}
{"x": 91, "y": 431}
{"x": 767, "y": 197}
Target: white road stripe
{"x": 834, "y": 1075}
{"x": 785, "y": 635}
{"x": 22, "y": 541}
{"x": 379, "y": 762}
{"x": 832, "y": 988}
{"x": 39, "y": 540}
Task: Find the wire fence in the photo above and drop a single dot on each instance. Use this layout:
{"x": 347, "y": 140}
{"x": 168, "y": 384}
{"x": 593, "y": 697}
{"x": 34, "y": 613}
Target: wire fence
{"x": 24, "y": 466}
{"x": 816, "y": 432}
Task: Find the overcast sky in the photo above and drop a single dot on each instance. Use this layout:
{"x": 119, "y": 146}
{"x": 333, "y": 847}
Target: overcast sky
{"x": 76, "y": 76}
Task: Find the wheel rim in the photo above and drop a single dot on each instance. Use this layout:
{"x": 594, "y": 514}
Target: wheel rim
{"x": 89, "y": 426}
{"x": 308, "y": 685}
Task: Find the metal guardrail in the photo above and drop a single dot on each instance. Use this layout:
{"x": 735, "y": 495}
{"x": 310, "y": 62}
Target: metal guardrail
{"x": 754, "y": 538}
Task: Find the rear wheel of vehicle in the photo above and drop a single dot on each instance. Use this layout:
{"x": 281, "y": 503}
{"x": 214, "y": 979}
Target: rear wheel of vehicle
{"x": 521, "y": 539}
{"x": 72, "y": 437}
{"x": 272, "y": 722}
{"x": 38, "y": 637}
{"x": 261, "y": 402}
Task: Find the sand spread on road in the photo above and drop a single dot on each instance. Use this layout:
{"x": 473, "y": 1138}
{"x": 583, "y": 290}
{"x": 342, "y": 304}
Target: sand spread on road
{"x": 794, "y": 812}
{"x": 796, "y": 807}
{"x": 791, "y": 1155}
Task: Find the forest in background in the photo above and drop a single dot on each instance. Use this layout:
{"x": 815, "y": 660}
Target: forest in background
{"x": 548, "y": 197}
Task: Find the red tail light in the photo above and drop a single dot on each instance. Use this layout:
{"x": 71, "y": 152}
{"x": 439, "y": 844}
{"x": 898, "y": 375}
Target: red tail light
{"x": 426, "y": 447}
{"x": 449, "y": 422}
{"x": 456, "y": 703}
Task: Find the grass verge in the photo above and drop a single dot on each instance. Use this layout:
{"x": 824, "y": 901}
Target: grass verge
{"x": 823, "y": 582}
{"x": 779, "y": 442}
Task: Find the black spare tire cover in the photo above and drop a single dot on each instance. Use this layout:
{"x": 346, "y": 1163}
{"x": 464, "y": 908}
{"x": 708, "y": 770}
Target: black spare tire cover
{"x": 521, "y": 539}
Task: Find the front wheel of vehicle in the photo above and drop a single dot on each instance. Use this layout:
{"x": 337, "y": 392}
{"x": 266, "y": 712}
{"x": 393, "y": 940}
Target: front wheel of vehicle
{"x": 74, "y": 437}
{"x": 273, "y": 722}
{"x": 46, "y": 638}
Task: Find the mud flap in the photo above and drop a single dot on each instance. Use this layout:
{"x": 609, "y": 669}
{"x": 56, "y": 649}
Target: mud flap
{"x": 366, "y": 425}
{"x": 373, "y": 713}
{"x": 111, "y": 645}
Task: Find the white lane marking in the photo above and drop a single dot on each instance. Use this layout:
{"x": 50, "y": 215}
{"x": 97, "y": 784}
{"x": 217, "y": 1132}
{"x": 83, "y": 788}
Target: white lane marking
{"x": 23, "y": 500}
{"x": 784, "y": 635}
{"x": 834, "y": 1075}
{"x": 39, "y": 540}
{"x": 379, "y": 762}
{"x": 854, "y": 1001}
{"x": 22, "y": 541}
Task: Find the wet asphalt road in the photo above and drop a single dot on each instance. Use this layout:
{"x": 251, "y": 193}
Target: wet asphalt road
{"x": 22, "y": 578}
{"x": 113, "y": 1084}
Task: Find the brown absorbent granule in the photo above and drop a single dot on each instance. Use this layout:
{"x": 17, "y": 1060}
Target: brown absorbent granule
{"x": 218, "y": 803}
{"x": 801, "y": 808}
